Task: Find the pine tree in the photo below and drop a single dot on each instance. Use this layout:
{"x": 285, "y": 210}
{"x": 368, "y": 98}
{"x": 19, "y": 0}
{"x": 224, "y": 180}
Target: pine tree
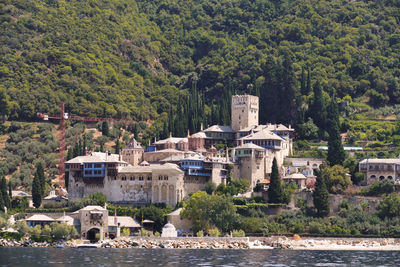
{"x": 336, "y": 154}
{"x": 275, "y": 191}
{"x": 6, "y": 198}
{"x": 105, "y": 130}
{"x": 36, "y": 192}
{"x": 321, "y": 197}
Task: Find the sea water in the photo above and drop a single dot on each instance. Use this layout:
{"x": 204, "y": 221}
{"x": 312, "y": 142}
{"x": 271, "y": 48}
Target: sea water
{"x": 192, "y": 257}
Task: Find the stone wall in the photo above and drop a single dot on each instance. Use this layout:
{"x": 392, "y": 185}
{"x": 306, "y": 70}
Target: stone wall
{"x": 336, "y": 200}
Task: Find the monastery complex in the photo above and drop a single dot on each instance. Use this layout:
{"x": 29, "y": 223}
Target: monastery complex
{"x": 169, "y": 170}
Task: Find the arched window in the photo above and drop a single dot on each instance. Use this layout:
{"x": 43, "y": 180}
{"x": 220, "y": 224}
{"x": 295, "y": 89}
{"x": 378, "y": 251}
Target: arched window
{"x": 381, "y": 178}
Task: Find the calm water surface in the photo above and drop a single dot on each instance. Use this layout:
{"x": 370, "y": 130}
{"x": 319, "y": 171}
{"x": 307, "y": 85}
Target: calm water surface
{"x": 187, "y": 257}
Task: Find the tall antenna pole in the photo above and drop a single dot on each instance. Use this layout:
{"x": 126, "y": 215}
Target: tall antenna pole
{"x": 61, "y": 167}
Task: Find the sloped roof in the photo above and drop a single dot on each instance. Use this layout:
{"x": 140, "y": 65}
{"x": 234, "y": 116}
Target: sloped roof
{"x": 124, "y": 221}
{"x": 132, "y": 144}
{"x": 92, "y": 207}
{"x": 262, "y": 135}
{"x": 19, "y": 193}
{"x": 219, "y": 128}
{"x": 295, "y": 176}
{"x": 96, "y": 157}
{"x": 40, "y": 217}
{"x": 176, "y": 212}
{"x": 388, "y": 161}
{"x": 66, "y": 219}
{"x": 137, "y": 169}
{"x": 199, "y": 135}
{"x": 174, "y": 140}
{"x": 249, "y": 146}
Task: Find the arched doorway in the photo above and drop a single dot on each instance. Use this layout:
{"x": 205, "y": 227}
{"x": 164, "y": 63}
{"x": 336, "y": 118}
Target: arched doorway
{"x": 93, "y": 235}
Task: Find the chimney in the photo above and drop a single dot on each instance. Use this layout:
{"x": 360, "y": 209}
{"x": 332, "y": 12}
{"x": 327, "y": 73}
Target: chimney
{"x": 226, "y": 154}
{"x": 188, "y": 133}
{"x": 86, "y": 152}
{"x": 170, "y": 134}
{"x": 119, "y": 156}
{"x": 201, "y": 126}
{"x": 241, "y": 142}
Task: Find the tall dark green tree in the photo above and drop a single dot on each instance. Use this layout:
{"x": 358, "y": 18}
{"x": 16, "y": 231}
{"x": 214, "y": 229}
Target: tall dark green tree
{"x": 275, "y": 190}
{"x": 105, "y": 130}
{"x": 41, "y": 177}
{"x": 336, "y": 154}
{"x": 10, "y": 189}
{"x": 303, "y": 82}
{"x": 308, "y": 85}
{"x": 117, "y": 144}
{"x": 70, "y": 154}
{"x": 36, "y": 192}
{"x": 318, "y": 109}
{"x": 6, "y": 198}
{"x": 321, "y": 197}
{"x": 84, "y": 145}
{"x": 1, "y": 202}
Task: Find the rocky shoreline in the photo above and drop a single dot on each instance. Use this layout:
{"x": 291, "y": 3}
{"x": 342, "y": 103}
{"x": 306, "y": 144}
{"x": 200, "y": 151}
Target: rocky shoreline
{"x": 277, "y": 242}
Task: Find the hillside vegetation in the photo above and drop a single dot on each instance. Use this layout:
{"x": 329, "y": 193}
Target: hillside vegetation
{"x": 138, "y": 59}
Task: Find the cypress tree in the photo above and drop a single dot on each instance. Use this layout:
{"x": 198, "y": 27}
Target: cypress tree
{"x": 84, "y": 145}
{"x": 275, "y": 192}
{"x": 117, "y": 146}
{"x": 303, "y": 82}
{"x": 10, "y": 189}
{"x": 76, "y": 150}
{"x": 321, "y": 197}
{"x": 70, "y": 154}
{"x": 164, "y": 133}
{"x": 308, "y": 86}
{"x": 36, "y": 192}
{"x": 105, "y": 130}
{"x": 1, "y": 202}
{"x": 42, "y": 179}
{"x": 336, "y": 154}
{"x": 6, "y": 198}
{"x": 318, "y": 109}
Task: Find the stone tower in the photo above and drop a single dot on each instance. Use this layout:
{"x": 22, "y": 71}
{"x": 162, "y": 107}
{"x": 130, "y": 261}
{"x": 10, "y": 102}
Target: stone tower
{"x": 244, "y": 111}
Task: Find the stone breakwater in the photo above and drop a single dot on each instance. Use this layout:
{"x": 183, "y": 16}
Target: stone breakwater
{"x": 185, "y": 243}
{"x": 275, "y": 242}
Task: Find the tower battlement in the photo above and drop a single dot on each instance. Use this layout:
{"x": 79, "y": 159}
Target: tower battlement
{"x": 244, "y": 111}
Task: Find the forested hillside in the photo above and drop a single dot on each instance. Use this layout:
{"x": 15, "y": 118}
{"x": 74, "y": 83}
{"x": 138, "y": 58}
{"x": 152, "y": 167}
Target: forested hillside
{"x": 138, "y": 59}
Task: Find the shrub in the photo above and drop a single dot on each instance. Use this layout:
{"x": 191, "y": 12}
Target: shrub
{"x": 125, "y": 231}
{"x": 143, "y": 232}
{"x": 317, "y": 228}
{"x": 385, "y": 186}
{"x": 214, "y": 232}
{"x": 238, "y": 233}
{"x": 157, "y": 234}
{"x": 200, "y": 233}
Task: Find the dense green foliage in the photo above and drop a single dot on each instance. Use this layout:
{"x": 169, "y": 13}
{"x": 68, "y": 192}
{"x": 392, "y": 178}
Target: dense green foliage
{"x": 385, "y": 186}
{"x": 140, "y": 59}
